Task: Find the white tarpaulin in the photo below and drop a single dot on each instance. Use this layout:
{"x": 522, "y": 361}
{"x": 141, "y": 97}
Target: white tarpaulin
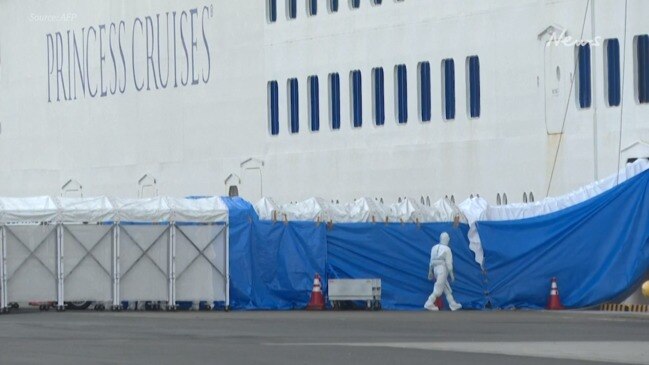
{"x": 204, "y": 210}
{"x": 553, "y": 204}
{"x": 79, "y": 210}
{"x": 360, "y": 210}
{"x": 27, "y": 210}
{"x": 151, "y": 210}
{"x": 472, "y": 209}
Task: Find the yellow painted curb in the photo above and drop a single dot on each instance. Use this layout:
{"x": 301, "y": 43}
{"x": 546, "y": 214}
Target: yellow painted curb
{"x": 613, "y": 307}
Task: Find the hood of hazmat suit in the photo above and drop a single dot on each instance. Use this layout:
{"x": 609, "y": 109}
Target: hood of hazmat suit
{"x": 444, "y": 239}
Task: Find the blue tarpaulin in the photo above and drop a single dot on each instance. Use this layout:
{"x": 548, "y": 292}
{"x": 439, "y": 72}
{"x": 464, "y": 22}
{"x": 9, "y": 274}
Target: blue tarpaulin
{"x": 272, "y": 264}
{"x": 597, "y": 250}
{"x": 399, "y": 254}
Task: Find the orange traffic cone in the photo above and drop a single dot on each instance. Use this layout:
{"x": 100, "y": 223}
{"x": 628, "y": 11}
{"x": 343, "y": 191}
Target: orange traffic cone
{"x": 317, "y": 300}
{"x": 554, "y": 301}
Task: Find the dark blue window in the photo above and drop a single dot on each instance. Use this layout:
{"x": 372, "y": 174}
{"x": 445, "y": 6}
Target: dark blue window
{"x": 448, "y": 82}
{"x": 333, "y": 6}
{"x": 355, "y": 4}
{"x": 273, "y": 107}
{"x": 292, "y": 9}
{"x": 584, "y": 85}
{"x": 473, "y": 65}
{"x": 312, "y": 7}
{"x": 334, "y": 100}
{"x": 314, "y": 103}
{"x": 613, "y": 71}
{"x": 377, "y": 2}
{"x": 357, "y": 99}
{"x": 643, "y": 68}
{"x": 402, "y": 94}
{"x": 424, "y": 91}
{"x": 272, "y": 10}
{"x": 293, "y": 106}
{"x": 379, "y": 98}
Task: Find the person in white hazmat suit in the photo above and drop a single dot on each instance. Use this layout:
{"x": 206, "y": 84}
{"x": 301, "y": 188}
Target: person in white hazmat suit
{"x": 440, "y": 270}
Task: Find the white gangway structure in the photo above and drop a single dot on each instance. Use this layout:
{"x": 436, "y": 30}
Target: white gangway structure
{"x": 112, "y": 250}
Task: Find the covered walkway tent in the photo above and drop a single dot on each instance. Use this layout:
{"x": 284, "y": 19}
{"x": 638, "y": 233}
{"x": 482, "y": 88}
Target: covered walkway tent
{"x": 109, "y": 250}
{"x": 595, "y": 240}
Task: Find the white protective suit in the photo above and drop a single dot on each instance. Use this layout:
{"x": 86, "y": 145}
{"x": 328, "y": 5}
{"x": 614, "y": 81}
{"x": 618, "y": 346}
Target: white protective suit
{"x": 441, "y": 268}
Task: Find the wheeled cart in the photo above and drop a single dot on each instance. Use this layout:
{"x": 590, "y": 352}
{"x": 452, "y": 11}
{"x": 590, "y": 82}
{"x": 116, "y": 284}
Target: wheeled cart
{"x": 368, "y": 290}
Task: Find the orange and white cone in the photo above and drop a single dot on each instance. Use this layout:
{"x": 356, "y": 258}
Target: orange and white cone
{"x": 554, "y": 301}
{"x": 317, "y": 299}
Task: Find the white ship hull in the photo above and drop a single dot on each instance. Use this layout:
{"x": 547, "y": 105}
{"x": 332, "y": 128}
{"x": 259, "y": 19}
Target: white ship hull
{"x": 192, "y": 138}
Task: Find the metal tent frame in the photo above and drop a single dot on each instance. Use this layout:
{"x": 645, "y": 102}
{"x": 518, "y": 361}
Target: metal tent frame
{"x": 208, "y": 254}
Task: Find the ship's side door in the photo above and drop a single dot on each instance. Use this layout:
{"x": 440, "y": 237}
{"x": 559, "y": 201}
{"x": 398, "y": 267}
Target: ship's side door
{"x": 559, "y": 72}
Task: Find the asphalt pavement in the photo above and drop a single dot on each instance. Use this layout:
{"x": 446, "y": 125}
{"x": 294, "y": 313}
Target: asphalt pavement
{"x": 359, "y": 338}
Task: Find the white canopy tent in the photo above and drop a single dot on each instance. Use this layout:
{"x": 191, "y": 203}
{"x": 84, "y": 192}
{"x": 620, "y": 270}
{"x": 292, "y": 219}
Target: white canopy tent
{"x": 29, "y": 248}
{"x": 88, "y": 242}
{"x": 144, "y": 249}
{"x": 115, "y": 249}
{"x": 200, "y": 250}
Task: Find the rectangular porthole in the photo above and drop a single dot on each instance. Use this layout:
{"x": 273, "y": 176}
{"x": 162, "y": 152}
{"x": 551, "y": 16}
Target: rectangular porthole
{"x": 271, "y": 10}
{"x": 584, "y": 92}
{"x": 314, "y": 103}
{"x": 424, "y": 92}
{"x": 312, "y": 7}
{"x": 448, "y": 89}
{"x": 356, "y": 98}
{"x": 291, "y": 9}
{"x": 642, "y": 68}
{"x": 378, "y": 102}
{"x": 293, "y": 106}
{"x": 473, "y": 86}
{"x": 355, "y": 4}
{"x": 333, "y": 6}
{"x": 334, "y": 100}
{"x": 401, "y": 93}
{"x": 273, "y": 107}
{"x": 612, "y": 70}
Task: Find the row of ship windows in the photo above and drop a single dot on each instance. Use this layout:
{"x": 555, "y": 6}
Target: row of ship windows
{"x": 378, "y": 96}
{"x": 612, "y": 72}
{"x": 583, "y": 87}
{"x": 312, "y": 7}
